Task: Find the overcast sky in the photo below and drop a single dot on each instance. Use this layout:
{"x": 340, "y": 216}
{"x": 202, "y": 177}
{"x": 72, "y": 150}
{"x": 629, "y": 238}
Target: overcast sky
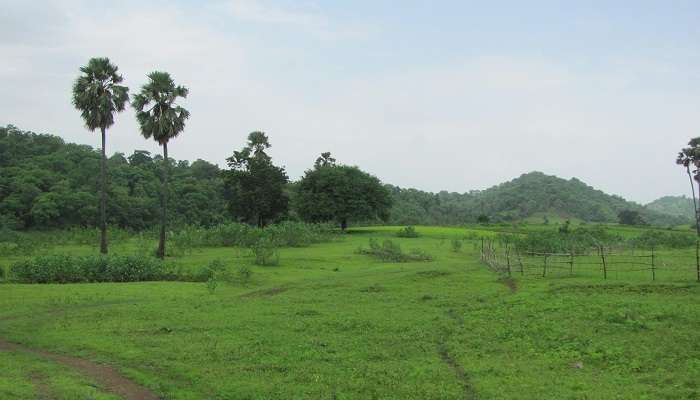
{"x": 436, "y": 95}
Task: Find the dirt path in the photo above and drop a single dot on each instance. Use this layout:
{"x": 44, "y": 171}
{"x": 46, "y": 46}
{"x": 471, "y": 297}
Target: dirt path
{"x": 106, "y": 377}
{"x": 459, "y": 371}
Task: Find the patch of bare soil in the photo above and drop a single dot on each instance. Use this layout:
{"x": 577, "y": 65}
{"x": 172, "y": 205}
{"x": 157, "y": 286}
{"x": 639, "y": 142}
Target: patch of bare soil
{"x": 106, "y": 377}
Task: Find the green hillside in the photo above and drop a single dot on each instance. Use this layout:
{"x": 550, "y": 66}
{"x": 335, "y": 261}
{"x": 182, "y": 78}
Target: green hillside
{"x": 681, "y": 206}
{"x": 532, "y": 195}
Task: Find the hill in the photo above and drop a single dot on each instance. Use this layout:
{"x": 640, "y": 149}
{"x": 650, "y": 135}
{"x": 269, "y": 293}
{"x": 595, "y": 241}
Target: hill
{"x": 532, "y": 195}
{"x": 680, "y": 206}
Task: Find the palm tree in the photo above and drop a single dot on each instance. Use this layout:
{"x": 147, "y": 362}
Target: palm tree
{"x": 687, "y": 157}
{"x": 98, "y": 95}
{"x": 162, "y": 119}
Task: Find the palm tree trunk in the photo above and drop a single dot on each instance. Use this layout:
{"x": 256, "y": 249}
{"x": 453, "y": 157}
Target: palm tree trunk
{"x": 163, "y": 202}
{"x": 103, "y": 197}
{"x": 695, "y": 203}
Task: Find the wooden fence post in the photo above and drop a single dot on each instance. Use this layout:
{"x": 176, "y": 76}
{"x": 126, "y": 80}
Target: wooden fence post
{"x": 508, "y": 259}
{"x": 653, "y": 264}
{"x": 544, "y": 266}
{"x": 697, "y": 258}
{"x": 605, "y": 266}
{"x": 520, "y": 261}
{"x": 571, "y": 262}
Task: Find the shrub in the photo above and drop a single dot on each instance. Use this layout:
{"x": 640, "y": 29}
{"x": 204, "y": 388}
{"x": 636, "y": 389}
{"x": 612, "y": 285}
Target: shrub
{"x": 69, "y": 269}
{"x": 265, "y": 252}
{"x": 456, "y": 245}
{"x": 388, "y": 251}
{"x": 407, "y": 232}
{"x": 650, "y": 238}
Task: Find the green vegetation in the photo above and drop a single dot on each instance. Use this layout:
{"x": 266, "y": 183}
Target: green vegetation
{"x": 531, "y": 194}
{"x": 680, "y": 206}
{"x": 254, "y": 186}
{"x": 161, "y": 119}
{"x": 340, "y": 193}
{"x": 407, "y": 232}
{"x": 98, "y": 96}
{"x": 329, "y": 322}
{"x": 67, "y": 269}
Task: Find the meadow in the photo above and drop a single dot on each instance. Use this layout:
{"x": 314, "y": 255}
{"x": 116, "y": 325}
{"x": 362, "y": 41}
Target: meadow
{"x": 331, "y": 322}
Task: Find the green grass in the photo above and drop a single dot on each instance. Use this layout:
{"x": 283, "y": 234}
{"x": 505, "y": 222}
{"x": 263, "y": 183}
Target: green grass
{"x": 329, "y": 323}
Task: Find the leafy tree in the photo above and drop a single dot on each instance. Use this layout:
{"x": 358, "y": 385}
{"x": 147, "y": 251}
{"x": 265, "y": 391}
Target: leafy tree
{"x": 255, "y": 188}
{"x": 687, "y": 157}
{"x": 162, "y": 119}
{"x": 98, "y": 96}
{"x": 325, "y": 160}
{"x": 483, "y": 219}
{"x": 341, "y": 193}
{"x": 630, "y": 217}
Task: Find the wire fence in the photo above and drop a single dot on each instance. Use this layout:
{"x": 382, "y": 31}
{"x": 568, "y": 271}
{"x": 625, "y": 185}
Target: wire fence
{"x": 598, "y": 262}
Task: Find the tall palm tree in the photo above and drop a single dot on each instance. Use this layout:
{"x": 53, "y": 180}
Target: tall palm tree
{"x": 690, "y": 157}
{"x": 162, "y": 119}
{"x": 98, "y": 96}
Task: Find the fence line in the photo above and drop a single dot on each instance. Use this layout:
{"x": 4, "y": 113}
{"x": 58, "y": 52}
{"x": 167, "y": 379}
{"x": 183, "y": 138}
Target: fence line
{"x": 508, "y": 261}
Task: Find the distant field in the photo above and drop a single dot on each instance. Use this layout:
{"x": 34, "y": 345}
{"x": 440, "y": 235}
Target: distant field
{"x": 328, "y": 323}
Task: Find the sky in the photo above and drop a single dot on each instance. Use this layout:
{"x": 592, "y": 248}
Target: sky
{"x": 435, "y": 95}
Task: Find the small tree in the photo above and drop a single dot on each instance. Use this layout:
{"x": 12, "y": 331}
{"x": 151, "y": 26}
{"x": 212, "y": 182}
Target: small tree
{"x": 340, "y": 193}
{"x": 687, "y": 157}
{"x": 254, "y": 187}
{"x": 98, "y": 96}
{"x": 630, "y": 217}
{"x": 162, "y": 119}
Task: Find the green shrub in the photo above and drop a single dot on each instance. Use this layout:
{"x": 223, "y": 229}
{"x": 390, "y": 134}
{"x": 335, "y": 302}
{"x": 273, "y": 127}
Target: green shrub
{"x": 265, "y": 252}
{"x": 456, "y": 245}
{"x": 389, "y": 251}
{"x": 407, "y": 232}
{"x": 69, "y": 269}
{"x": 673, "y": 240}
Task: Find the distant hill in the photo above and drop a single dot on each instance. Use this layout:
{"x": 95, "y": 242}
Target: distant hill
{"x": 532, "y": 195}
{"x": 680, "y": 206}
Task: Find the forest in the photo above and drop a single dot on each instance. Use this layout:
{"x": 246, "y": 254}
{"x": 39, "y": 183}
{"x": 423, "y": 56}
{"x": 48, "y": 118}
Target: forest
{"x": 46, "y": 183}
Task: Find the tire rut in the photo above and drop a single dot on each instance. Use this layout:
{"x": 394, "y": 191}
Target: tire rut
{"x": 108, "y": 378}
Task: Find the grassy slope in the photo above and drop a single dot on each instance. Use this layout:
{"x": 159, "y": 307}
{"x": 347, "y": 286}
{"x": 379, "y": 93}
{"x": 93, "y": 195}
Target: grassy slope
{"x": 371, "y": 330}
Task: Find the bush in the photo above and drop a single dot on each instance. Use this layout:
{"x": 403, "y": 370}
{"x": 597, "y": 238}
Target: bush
{"x": 265, "y": 252}
{"x": 407, "y": 232}
{"x": 456, "y": 245}
{"x": 388, "y": 251}
{"x": 70, "y": 269}
{"x": 672, "y": 240}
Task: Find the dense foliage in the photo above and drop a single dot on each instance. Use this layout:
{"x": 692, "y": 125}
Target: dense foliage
{"x": 341, "y": 193}
{"x": 255, "y": 188}
{"x": 47, "y": 183}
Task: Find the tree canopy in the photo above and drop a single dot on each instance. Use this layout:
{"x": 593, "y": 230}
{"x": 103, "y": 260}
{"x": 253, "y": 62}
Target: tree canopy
{"x": 254, "y": 187}
{"x": 341, "y": 193}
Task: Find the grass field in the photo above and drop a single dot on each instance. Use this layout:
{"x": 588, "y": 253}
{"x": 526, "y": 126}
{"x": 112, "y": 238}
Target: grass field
{"x": 327, "y": 323}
